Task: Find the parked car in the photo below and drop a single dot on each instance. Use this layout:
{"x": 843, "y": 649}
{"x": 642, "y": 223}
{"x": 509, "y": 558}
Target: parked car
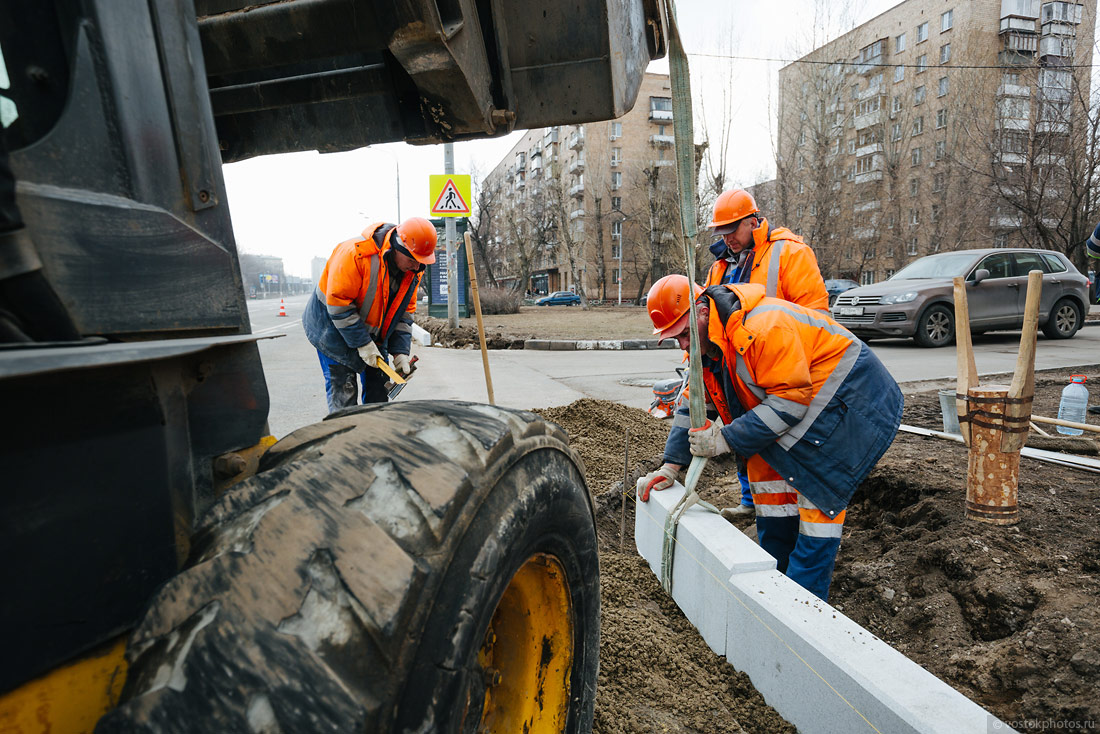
{"x": 917, "y": 301}
{"x": 836, "y": 286}
{"x": 559, "y": 298}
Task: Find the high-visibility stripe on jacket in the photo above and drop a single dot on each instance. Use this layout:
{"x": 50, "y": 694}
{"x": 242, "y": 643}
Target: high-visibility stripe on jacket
{"x": 784, "y": 264}
{"x": 361, "y": 297}
{"x": 1092, "y": 244}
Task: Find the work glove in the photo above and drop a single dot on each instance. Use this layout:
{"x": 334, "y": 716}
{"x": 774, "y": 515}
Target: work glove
{"x": 402, "y": 365}
{"x": 659, "y": 479}
{"x": 370, "y": 354}
{"x": 708, "y": 440}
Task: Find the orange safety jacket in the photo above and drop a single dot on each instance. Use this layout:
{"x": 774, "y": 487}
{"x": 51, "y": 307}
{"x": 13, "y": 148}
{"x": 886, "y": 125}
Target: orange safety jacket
{"x": 784, "y": 264}
{"x": 360, "y": 297}
{"x": 800, "y": 390}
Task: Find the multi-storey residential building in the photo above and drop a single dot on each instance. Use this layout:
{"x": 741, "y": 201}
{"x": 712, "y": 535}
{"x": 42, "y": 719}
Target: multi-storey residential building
{"x": 937, "y": 125}
{"x": 589, "y": 206}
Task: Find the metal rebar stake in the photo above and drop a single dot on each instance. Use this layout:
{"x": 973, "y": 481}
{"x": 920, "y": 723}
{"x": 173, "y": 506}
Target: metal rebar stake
{"x": 622, "y": 514}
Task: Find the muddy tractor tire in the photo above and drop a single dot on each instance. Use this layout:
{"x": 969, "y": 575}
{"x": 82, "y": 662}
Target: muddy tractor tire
{"x": 417, "y": 566}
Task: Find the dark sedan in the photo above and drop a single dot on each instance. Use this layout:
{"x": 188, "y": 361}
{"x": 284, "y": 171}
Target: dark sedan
{"x": 559, "y": 298}
{"x": 917, "y": 301}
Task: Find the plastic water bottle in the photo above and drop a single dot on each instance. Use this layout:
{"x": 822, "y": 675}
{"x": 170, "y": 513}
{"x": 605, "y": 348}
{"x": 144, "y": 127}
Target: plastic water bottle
{"x": 1074, "y": 405}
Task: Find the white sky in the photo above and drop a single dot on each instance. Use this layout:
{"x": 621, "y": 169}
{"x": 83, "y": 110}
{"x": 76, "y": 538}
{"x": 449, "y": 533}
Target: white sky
{"x": 300, "y": 205}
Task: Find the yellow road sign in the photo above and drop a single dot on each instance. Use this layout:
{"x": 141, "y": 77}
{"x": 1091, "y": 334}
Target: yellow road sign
{"x": 450, "y": 195}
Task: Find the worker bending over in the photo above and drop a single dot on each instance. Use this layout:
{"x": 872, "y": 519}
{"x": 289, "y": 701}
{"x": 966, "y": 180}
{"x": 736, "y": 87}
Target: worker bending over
{"x": 799, "y": 395}
{"x": 363, "y": 306}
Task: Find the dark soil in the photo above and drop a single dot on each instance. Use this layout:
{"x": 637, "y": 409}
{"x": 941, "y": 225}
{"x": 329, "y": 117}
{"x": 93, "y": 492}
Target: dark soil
{"x": 1007, "y": 615}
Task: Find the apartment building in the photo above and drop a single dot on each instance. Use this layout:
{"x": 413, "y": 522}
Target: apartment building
{"x": 589, "y": 206}
{"x": 937, "y": 125}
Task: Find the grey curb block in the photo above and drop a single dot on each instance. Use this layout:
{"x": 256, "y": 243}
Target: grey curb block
{"x": 820, "y": 670}
{"x": 570, "y": 345}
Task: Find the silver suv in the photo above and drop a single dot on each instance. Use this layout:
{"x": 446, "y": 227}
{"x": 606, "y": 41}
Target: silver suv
{"x": 917, "y": 301}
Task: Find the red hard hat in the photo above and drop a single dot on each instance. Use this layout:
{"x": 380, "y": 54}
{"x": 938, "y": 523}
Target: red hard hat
{"x": 668, "y": 304}
{"x": 733, "y": 206}
{"x": 419, "y": 237}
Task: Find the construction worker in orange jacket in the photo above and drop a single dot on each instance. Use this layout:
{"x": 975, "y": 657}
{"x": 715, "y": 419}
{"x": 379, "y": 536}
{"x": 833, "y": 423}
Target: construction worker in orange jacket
{"x": 808, "y": 403}
{"x": 362, "y": 309}
{"x": 751, "y": 251}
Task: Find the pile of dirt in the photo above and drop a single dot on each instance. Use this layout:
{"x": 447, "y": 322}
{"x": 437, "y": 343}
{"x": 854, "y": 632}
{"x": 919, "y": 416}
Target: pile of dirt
{"x": 465, "y": 337}
{"x": 656, "y": 673}
{"x": 1006, "y": 615}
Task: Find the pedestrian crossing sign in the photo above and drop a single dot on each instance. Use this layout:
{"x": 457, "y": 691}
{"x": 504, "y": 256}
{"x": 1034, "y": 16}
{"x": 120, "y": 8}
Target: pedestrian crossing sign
{"x": 450, "y": 195}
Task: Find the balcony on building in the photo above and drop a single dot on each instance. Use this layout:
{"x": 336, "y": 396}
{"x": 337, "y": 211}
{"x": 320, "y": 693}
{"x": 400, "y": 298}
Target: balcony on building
{"x": 871, "y": 118}
{"x": 867, "y": 206}
{"x": 867, "y": 176}
{"x": 871, "y": 57}
{"x": 1062, "y": 11}
{"x": 1005, "y": 221}
{"x": 663, "y": 163}
{"x": 1011, "y": 123}
{"x": 868, "y": 149}
{"x": 1018, "y": 12}
{"x": 577, "y": 190}
{"x": 1019, "y": 48}
{"x": 521, "y": 161}
{"x": 576, "y": 139}
{"x": 576, "y": 214}
{"x": 660, "y": 109}
{"x": 1013, "y": 90}
{"x": 1052, "y": 126}
{"x": 521, "y": 179}
{"x": 660, "y": 115}
{"x": 1013, "y": 158}
{"x": 1052, "y": 48}
{"x": 577, "y": 166}
{"x": 863, "y": 233}
{"x": 662, "y": 141}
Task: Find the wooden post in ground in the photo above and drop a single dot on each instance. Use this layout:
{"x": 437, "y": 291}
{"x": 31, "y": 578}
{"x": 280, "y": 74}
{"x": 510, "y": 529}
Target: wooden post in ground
{"x": 480, "y": 325}
{"x": 1021, "y": 392}
{"x": 964, "y": 358}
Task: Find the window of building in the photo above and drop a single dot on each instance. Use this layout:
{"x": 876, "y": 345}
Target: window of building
{"x": 616, "y": 156}
{"x": 865, "y": 164}
{"x": 922, "y": 32}
{"x": 850, "y": 253}
{"x": 890, "y": 271}
{"x": 899, "y": 73}
{"x": 935, "y": 213}
{"x": 941, "y": 119}
{"x": 914, "y": 186}
{"x": 660, "y": 104}
{"x": 941, "y": 150}
{"x": 922, "y": 63}
{"x": 947, "y": 20}
{"x": 891, "y": 222}
{"x": 897, "y": 104}
{"x": 868, "y": 106}
{"x": 895, "y": 132}
{"x": 798, "y": 210}
{"x": 914, "y": 216}
{"x": 855, "y": 91}
{"x": 836, "y": 146}
{"x": 801, "y": 187}
{"x": 1011, "y": 78}
{"x": 851, "y": 146}
{"x": 801, "y": 162}
{"x": 915, "y": 156}
{"x": 802, "y": 137}
{"x": 1000, "y": 241}
{"x": 868, "y": 137}
{"x": 616, "y": 179}
{"x": 938, "y": 181}
{"x": 899, "y": 43}
{"x": 813, "y": 210}
{"x": 867, "y": 277}
{"x": 616, "y": 230}
{"x": 616, "y": 249}
{"x": 918, "y": 95}
{"x": 912, "y": 248}
{"x": 918, "y": 125}
{"x": 943, "y": 86}
{"x": 616, "y": 130}
{"x": 945, "y": 53}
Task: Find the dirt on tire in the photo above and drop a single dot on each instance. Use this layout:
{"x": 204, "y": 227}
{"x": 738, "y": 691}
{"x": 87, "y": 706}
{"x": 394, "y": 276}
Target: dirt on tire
{"x": 1006, "y": 615}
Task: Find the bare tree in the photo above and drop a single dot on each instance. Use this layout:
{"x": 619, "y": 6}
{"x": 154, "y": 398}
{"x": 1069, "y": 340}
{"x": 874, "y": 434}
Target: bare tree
{"x": 487, "y": 208}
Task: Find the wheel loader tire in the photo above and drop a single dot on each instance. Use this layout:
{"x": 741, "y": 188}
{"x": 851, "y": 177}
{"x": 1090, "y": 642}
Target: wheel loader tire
{"x": 418, "y": 566}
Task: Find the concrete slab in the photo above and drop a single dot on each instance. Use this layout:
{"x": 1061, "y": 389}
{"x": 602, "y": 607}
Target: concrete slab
{"x": 706, "y": 555}
{"x": 562, "y": 345}
{"x": 820, "y": 670}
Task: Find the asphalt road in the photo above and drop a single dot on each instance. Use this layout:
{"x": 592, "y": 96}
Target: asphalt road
{"x": 538, "y": 379}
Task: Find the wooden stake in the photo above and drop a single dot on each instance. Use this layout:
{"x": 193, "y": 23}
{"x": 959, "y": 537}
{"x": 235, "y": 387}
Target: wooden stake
{"x": 622, "y": 514}
{"x": 1068, "y": 424}
{"x": 480, "y": 325}
{"x": 1021, "y": 392}
{"x": 964, "y": 358}
{"x": 1038, "y": 430}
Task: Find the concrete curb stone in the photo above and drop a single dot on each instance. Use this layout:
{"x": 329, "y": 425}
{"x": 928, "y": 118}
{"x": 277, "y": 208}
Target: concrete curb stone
{"x": 597, "y": 344}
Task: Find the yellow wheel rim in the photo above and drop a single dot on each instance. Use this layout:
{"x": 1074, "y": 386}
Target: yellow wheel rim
{"x": 527, "y": 654}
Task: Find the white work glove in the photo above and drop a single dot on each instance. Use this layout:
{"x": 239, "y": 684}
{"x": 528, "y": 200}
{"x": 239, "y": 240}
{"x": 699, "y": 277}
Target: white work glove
{"x": 707, "y": 441}
{"x": 659, "y": 479}
{"x": 401, "y": 364}
{"x": 370, "y": 354}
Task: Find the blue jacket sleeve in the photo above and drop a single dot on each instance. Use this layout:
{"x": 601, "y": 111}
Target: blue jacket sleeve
{"x": 1092, "y": 244}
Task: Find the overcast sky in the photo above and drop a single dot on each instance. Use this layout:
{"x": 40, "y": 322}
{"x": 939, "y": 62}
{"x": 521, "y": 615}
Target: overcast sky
{"x": 300, "y": 205}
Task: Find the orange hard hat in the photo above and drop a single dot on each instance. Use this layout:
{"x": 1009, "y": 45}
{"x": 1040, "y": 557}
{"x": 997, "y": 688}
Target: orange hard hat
{"x": 668, "y": 304}
{"x": 732, "y": 206}
{"x": 419, "y": 238}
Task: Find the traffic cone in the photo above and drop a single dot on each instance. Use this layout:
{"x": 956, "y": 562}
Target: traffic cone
{"x": 282, "y": 308}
